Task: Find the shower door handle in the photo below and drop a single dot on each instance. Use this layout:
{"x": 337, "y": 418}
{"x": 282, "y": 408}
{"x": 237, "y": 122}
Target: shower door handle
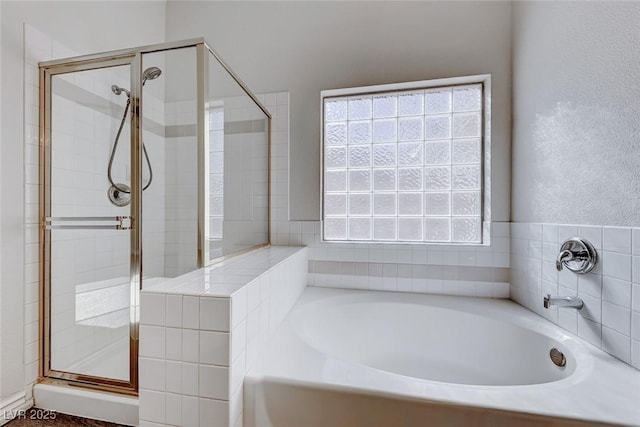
{"x": 87, "y": 223}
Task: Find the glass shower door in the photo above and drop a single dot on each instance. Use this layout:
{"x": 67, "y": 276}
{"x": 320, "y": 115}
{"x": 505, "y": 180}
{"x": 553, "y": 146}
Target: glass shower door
{"x": 90, "y": 297}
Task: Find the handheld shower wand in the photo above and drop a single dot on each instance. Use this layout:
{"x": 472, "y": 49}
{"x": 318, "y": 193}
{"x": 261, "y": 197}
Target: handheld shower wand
{"x": 119, "y": 194}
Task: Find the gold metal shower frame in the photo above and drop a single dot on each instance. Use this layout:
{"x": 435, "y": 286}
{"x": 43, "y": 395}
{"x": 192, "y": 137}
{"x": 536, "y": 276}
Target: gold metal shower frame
{"x": 133, "y": 58}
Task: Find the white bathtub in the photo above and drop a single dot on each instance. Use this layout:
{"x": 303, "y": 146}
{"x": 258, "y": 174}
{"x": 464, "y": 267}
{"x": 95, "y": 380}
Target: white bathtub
{"x": 362, "y": 358}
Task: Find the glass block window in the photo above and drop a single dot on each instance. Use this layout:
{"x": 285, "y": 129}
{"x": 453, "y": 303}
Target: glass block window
{"x": 216, "y": 173}
{"x": 404, "y": 166}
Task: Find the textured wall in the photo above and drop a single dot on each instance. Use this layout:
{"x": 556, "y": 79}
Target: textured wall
{"x": 305, "y": 47}
{"x": 576, "y": 85}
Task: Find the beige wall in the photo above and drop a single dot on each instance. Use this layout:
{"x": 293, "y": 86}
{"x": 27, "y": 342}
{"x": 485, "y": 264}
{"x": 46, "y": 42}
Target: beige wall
{"x": 305, "y": 47}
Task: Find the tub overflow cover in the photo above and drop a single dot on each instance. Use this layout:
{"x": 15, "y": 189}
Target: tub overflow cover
{"x": 557, "y": 357}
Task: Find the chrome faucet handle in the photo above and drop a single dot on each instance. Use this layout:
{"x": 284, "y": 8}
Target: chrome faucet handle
{"x": 563, "y": 256}
{"x": 546, "y": 302}
{"x": 578, "y": 255}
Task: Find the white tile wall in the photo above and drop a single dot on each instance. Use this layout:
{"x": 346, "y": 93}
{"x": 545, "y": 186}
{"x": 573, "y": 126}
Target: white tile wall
{"x": 38, "y": 47}
{"x": 181, "y": 201}
{"x": 450, "y": 280}
{"x": 610, "y": 318}
{"x": 193, "y": 365}
{"x": 241, "y": 206}
{"x": 244, "y": 162}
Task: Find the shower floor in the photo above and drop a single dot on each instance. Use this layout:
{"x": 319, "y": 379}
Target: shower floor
{"x": 110, "y": 362}
{"x": 33, "y": 418}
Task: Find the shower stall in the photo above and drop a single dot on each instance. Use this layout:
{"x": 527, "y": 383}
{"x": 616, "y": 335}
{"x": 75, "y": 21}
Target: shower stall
{"x": 154, "y": 162}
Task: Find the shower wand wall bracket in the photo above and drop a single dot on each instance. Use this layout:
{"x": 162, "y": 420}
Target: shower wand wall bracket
{"x": 119, "y": 194}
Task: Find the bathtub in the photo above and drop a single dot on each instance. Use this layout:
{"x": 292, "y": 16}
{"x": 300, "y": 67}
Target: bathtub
{"x": 364, "y": 358}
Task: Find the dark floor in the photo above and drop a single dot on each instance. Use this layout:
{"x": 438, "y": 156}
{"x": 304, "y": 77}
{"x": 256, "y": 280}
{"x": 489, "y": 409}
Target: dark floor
{"x": 35, "y": 417}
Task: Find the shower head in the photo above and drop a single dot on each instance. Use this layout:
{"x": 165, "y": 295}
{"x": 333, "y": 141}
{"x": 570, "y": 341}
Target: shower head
{"x": 151, "y": 73}
{"x": 118, "y": 90}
